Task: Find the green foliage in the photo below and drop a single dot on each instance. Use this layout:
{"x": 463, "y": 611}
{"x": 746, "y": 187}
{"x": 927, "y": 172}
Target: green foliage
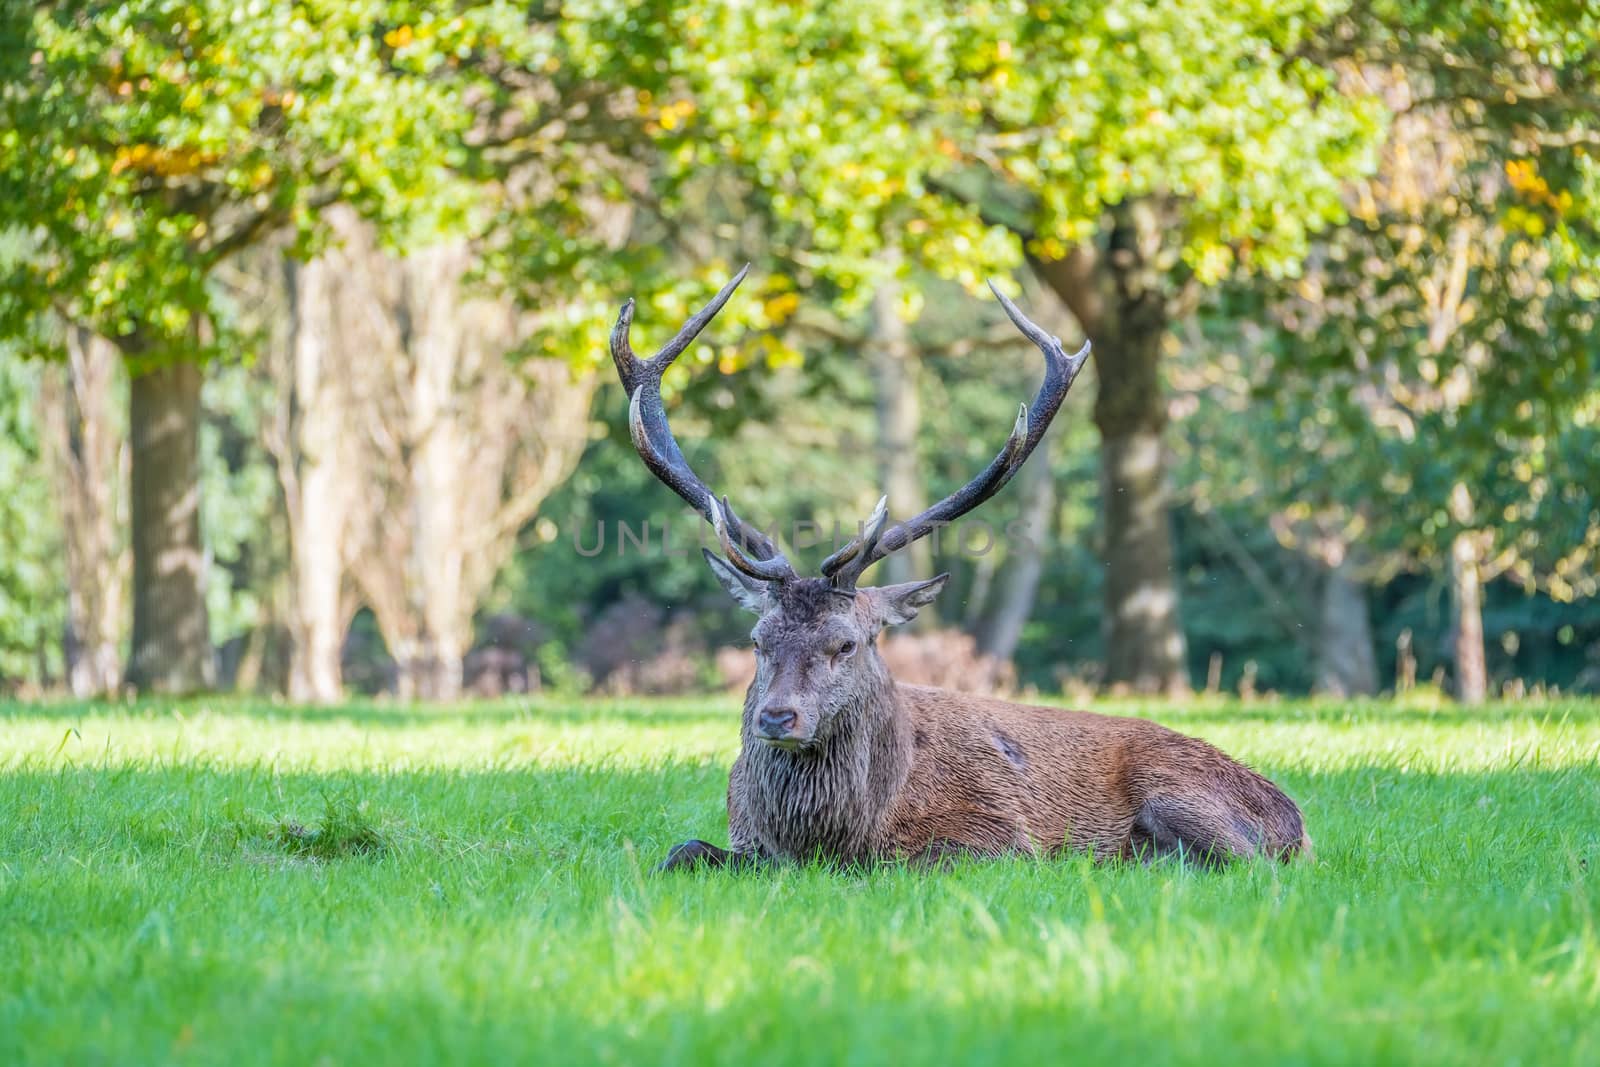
{"x": 1510, "y": 396}
{"x": 558, "y": 675}
{"x": 1435, "y": 372}
{"x": 1439, "y": 361}
{"x": 596, "y": 150}
{"x": 1449, "y": 918}
{"x": 143, "y": 142}
{"x": 857, "y": 122}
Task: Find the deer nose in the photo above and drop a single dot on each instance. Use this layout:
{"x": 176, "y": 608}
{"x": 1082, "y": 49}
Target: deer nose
{"x": 778, "y": 722}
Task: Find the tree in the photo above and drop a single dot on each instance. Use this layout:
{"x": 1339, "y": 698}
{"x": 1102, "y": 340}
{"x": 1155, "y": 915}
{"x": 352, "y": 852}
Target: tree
{"x": 143, "y": 144}
{"x": 30, "y": 553}
{"x": 1462, "y": 368}
{"x": 1001, "y": 630}
{"x": 468, "y": 446}
{"x": 1449, "y": 327}
{"x": 894, "y": 374}
{"x": 314, "y": 437}
{"x": 87, "y": 448}
{"x": 1133, "y": 152}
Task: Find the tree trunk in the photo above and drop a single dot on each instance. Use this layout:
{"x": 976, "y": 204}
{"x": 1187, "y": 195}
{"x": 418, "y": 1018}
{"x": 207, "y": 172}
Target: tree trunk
{"x": 171, "y": 638}
{"x": 436, "y": 326}
{"x": 1124, "y": 296}
{"x": 1466, "y": 586}
{"x": 458, "y": 446}
{"x": 317, "y": 618}
{"x": 895, "y": 378}
{"x": 89, "y": 458}
{"x": 1025, "y": 552}
{"x": 1346, "y": 664}
{"x": 313, "y": 469}
{"x": 976, "y": 607}
{"x": 1144, "y": 644}
{"x": 430, "y": 668}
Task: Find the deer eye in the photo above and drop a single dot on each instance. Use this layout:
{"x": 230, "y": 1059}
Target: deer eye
{"x": 843, "y": 648}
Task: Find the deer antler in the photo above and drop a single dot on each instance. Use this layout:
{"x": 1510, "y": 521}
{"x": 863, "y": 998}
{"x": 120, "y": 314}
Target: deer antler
{"x": 749, "y": 549}
{"x": 746, "y": 546}
{"x": 845, "y": 567}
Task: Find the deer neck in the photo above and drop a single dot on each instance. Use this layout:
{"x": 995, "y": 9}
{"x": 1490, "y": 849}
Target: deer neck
{"x": 877, "y": 737}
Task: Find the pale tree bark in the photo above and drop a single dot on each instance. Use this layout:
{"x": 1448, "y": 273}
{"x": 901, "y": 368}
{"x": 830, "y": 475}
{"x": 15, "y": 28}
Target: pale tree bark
{"x": 1346, "y": 662}
{"x": 975, "y": 608}
{"x": 87, "y": 451}
{"x": 1025, "y": 553}
{"x": 894, "y": 370}
{"x": 314, "y": 438}
{"x": 1472, "y": 675}
{"x": 436, "y": 341}
{"x": 1446, "y": 294}
{"x": 462, "y": 446}
{"x": 1466, "y": 589}
{"x": 171, "y": 650}
{"x": 1124, "y": 297}
{"x": 1345, "y": 657}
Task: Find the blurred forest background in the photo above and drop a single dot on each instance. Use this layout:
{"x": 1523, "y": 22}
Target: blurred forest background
{"x": 303, "y": 311}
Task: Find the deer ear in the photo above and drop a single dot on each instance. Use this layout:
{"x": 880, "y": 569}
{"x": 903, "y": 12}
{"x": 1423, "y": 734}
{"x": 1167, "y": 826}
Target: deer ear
{"x": 749, "y": 592}
{"x": 895, "y": 604}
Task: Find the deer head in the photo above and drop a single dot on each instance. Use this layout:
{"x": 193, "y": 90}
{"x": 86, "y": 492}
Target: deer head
{"x": 816, "y": 641}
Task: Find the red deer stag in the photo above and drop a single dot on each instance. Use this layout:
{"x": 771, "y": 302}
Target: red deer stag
{"x": 839, "y": 762}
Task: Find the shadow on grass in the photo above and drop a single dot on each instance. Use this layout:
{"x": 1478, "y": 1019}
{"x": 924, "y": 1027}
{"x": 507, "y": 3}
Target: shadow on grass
{"x": 724, "y": 708}
{"x": 1356, "y": 815}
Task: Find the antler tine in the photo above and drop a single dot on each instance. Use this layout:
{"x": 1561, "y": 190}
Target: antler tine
{"x": 845, "y": 566}
{"x": 622, "y": 355}
{"x": 774, "y": 569}
{"x": 691, "y": 329}
{"x": 1061, "y": 370}
{"x": 630, "y": 365}
{"x": 652, "y": 434}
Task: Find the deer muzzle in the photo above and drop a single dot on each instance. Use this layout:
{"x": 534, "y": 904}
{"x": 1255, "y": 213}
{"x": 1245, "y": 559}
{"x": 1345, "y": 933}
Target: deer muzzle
{"x": 779, "y": 725}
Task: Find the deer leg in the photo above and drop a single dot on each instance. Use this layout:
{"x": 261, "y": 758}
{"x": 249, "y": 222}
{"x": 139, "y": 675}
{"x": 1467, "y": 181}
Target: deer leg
{"x": 697, "y": 853}
{"x": 1203, "y": 829}
{"x": 941, "y": 855}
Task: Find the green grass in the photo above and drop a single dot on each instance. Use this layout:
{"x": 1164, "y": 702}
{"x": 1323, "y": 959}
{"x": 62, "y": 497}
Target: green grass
{"x": 243, "y": 883}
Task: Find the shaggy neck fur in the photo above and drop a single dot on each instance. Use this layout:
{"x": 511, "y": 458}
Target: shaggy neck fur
{"x": 833, "y": 799}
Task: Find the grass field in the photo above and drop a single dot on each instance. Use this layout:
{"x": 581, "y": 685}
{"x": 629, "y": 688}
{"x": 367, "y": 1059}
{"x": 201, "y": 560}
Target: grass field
{"x": 242, "y": 883}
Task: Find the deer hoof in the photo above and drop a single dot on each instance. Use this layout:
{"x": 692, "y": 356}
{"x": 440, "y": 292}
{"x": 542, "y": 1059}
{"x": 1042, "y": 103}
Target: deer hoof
{"x": 693, "y": 854}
